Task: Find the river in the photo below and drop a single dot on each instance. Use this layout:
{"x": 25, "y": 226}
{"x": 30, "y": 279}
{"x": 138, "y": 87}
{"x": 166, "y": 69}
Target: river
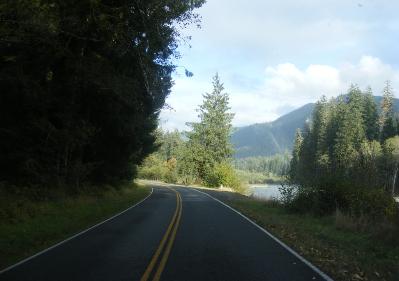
{"x": 265, "y": 191}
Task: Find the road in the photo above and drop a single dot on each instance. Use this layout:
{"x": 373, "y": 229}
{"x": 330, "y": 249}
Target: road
{"x": 177, "y": 233}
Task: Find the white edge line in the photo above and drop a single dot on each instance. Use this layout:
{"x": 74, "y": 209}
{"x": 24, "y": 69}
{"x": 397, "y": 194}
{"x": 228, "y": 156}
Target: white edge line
{"x": 314, "y": 268}
{"x": 74, "y": 236}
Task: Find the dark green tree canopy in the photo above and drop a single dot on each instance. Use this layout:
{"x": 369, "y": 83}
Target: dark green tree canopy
{"x": 82, "y": 83}
{"x": 339, "y": 156}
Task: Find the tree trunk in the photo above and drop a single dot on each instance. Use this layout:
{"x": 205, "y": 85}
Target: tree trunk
{"x": 394, "y": 179}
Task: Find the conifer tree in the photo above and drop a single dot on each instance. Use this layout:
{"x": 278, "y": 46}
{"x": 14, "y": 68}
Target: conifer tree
{"x": 306, "y": 158}
{"x": 370, "y": 116}
{"x": 350, "y": 133}
{"x": 319, "y": 134}
{"x": 209, "y": 140}
{"x": 294, "y": 165}
{"x": 387, "y": 119}
{"x": 82, "y": 84}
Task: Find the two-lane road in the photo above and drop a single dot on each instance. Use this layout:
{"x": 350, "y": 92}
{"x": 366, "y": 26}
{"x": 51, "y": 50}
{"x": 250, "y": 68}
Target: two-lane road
{"x": 177, "y": 233}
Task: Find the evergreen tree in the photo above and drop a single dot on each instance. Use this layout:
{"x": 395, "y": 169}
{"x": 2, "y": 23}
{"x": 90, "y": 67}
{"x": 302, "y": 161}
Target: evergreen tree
{"x": 318, "y": 136}
{"x": 387, "y": 119}
{"x": 170, "y": 143}
{"x": 277, "y": 164}
{"x": 82, "y": 84}
{"x": 306, "y": 158}
{"x": 350, "y": 133}
{"x": 339, "y": 162}
{"x": 370, "y": 116}
{"x": 295, "y": 169}
{"x": 389, "y": 129}
{"x": 209, "y": 140}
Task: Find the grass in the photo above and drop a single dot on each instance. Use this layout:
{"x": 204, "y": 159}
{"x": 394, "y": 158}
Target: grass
{"x": 342, "y": 252}
{"x": 28, "y": 226}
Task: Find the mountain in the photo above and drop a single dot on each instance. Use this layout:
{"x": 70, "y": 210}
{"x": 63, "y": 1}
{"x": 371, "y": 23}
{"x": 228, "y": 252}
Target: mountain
{"x": 266, "y": 139}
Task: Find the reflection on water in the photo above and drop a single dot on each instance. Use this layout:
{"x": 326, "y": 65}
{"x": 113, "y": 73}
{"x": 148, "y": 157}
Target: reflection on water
{"x": 265, "y": 191}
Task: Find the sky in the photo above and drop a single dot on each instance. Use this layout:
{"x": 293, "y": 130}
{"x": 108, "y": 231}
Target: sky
{"x": 275, "y": 56}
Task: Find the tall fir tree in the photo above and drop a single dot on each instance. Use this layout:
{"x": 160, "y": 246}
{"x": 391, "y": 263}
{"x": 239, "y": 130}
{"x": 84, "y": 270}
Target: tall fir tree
{"x": 370, "y": 115}
{"x": 209, "y": 140}
{"x": 319, "y": 135}
{"x": 295, "y": 169}
{"x": 350, "y": 133}
{"x": 387, "y": 119}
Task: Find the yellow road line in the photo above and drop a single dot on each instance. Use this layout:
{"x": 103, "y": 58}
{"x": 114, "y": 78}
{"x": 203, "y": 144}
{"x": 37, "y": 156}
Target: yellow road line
{"x": 172, "y": 225}
{"x": 165, "y": 256}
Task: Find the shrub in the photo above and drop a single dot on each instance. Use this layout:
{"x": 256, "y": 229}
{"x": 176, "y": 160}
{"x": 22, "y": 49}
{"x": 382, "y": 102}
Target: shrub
{"x": 287, "y": 194}
{"x": 224, "y": 174}
{"x": 170, "y": 174}
{"x": 152, "y": 168}
{"x": 308, "y": 199}
{"x": 375, "y": 204}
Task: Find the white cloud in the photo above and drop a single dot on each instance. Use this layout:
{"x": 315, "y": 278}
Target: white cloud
{"x": 285, "y": 29}
{"x": 285, "y": 87}
{"x": 278, "y": 55}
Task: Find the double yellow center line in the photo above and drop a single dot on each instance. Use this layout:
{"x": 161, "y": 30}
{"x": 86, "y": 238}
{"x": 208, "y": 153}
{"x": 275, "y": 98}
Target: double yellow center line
{"x": 167, "y": 240}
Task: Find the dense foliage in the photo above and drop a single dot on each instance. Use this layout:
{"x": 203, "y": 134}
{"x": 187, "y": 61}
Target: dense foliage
{"x": 82, "y": 83}
{"x": 205, "y": 156}
{"x": 347, "y": 156}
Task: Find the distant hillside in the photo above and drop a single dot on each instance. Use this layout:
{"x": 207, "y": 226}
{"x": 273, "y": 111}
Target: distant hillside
{"x": 274, "y": 137}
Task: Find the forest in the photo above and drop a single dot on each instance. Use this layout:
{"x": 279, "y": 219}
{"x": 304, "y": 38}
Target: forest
{"x": 263, "y": 169}
{"x": 346, "y": 158}
{"x": 78, "y": 78}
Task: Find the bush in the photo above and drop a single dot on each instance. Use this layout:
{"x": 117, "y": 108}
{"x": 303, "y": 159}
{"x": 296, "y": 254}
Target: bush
{"x": 287, "y": 194}
{"x": 223, "y": 174}
{"x": 170, "y": 174}
{"x": 152, "y": 168}
{"x": 372, "y": 204}
{"x": 308, "y": 199}
{"x": 375, "y": 204}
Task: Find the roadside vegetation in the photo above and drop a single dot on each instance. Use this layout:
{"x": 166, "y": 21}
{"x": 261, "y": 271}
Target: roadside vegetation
{"x": 335, "y": 243}
{"x": 201, "y": 156}
{"x": 31, "y": 221}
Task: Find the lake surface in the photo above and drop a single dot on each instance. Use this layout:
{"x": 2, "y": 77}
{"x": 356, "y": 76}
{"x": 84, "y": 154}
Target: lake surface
{"x": 265, "y": 191}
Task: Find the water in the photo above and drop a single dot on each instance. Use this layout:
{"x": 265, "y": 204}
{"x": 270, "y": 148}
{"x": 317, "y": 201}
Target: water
{"x": 265, "y": 191}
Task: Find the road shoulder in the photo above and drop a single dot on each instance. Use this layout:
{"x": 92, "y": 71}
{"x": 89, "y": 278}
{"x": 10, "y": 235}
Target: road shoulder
{"x": 45, "y": 224}
{"x": 342, "y": 254}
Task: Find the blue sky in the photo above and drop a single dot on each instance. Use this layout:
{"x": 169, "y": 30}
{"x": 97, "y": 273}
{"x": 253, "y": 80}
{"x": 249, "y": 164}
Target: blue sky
{"x": 274, "y": 56}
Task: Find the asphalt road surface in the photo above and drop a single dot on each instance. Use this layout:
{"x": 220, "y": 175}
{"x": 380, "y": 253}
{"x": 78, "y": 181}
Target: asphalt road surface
{"x": 177, "y": 233}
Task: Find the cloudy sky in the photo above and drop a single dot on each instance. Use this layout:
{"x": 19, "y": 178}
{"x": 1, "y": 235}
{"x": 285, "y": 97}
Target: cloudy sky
{"x": 274, "y": 56}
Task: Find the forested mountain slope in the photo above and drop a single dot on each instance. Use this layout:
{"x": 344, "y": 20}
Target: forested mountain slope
{"x": 265, "y": 139}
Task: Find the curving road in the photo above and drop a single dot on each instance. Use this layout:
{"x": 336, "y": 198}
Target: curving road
{"x": 177, "y": 233}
